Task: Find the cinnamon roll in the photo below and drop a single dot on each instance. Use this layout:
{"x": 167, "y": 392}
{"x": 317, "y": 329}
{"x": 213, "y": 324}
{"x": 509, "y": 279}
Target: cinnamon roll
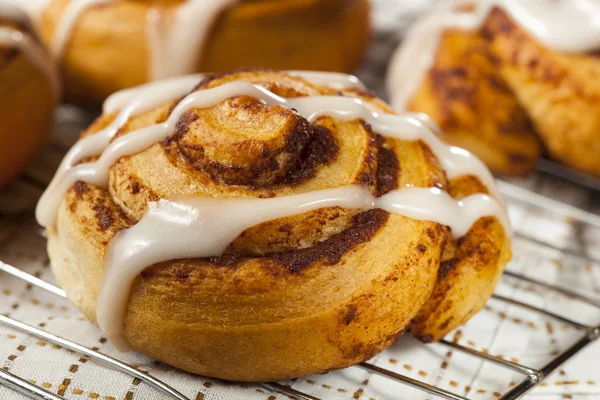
{"x": 507, "y": 80}
{"x": 264, "y": 225}
{"x": 107, "y": 45}
{"x": 28, "y": 92}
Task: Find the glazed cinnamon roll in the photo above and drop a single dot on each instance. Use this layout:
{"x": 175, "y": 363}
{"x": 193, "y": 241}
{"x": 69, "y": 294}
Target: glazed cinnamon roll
{"x": 507, "y": 80}
{"x": 28, "y": 92}
{"x": 262, "y": 225}
{"x": 107, "y": 45}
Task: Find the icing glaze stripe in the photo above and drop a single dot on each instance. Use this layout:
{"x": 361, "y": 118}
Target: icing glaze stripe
{"x": 335, "y": 80}
{"x": 177, "y": 39}
{"x": 454, "y": 160}
{"x": 131, "y": 102}
{"x": 11, "y": 11}
{"x": 67, "y": 22}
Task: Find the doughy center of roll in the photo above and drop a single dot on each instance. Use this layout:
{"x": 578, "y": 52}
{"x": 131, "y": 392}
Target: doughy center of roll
{"x": 241, "y": 141}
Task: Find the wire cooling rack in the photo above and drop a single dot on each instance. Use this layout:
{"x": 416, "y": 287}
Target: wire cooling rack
{"x": 531, "y": 377}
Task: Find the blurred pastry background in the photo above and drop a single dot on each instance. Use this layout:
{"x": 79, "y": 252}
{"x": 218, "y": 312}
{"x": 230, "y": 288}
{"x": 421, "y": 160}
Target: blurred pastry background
{"x": 105, "y": 46}
{"x": 493, "y": 89}
{"x": 509, "y": 81}
{"x": 29, "y": 91}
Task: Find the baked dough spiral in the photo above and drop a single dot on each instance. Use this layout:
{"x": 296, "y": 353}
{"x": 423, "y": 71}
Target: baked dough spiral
{"x": 107, "y": 45}
{"x": 508, "y": 80}
{"x": 28, "y": 92}
{"x": 319, "y": 288}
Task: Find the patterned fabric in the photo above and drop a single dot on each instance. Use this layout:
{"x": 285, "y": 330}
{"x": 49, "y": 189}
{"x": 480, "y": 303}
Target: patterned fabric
{"x": 500, "y": 329}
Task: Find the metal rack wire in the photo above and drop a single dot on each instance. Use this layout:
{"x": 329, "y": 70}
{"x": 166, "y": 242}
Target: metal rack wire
{"x": 532, "y": 377}
{"x": 560, "y": 171}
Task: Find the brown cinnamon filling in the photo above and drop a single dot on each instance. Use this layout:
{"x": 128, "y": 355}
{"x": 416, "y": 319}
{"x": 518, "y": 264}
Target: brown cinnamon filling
{"x": 289, "y": 154}
{"x": 388, "y": 168}
{"x": 320, "y": 150}
{"x": 328, "y": 252}
{"x": 244, "y": 142}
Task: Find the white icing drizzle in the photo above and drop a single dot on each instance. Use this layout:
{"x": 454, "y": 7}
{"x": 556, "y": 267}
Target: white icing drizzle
{"x": 11, "y": 11}
{"x": 34, "y": 8}
{"x": 205, "y": 226}
{"x": 335, "y": 80}
{"x": 454, "y": 160}
{"x": 160, "y": 92}
{"x": 179, "y": 228}
{"x": 564, "y": 25}
{"x": 131, "y": 102}
{"x": 177, "y": 39}
{"x": 67, "y": 23}
{"x": 31, "y": 48}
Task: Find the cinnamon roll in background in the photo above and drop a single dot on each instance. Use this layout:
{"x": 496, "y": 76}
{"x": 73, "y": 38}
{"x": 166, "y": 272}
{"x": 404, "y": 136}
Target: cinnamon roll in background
{"x": 261, "y": 225}
{"x": 507, "y": 80}
{"x": 28, "y": 92}
{"x": 104, "y": 46}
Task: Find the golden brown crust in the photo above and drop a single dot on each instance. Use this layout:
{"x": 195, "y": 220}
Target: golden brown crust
{"x": 468, "y": 273}
{"x": 494, "y": 91}
{"x": 560, "y": 92}
{"x": 108, "y": 51}
{"x": 299, "y": 295}
{"x": 27, "y": 101}
{"x": 466, "y": 95}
